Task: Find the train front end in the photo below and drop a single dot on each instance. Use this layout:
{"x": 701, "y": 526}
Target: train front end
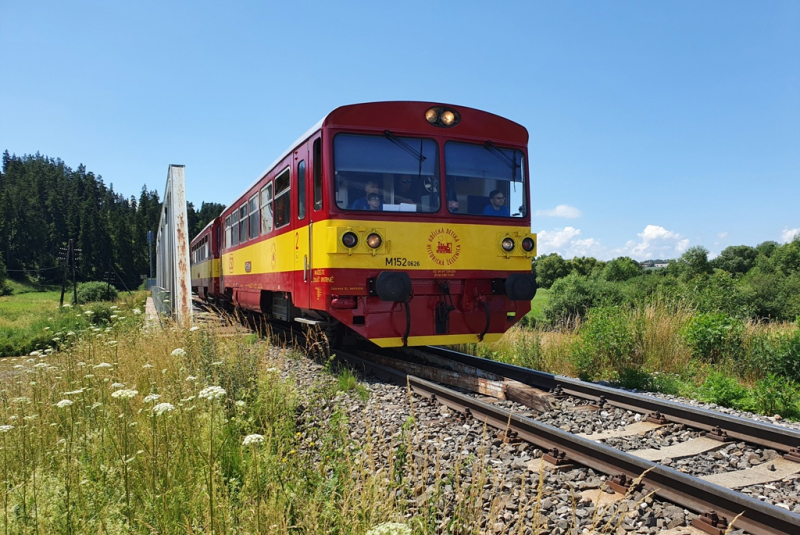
{"x": 428, "y": 239}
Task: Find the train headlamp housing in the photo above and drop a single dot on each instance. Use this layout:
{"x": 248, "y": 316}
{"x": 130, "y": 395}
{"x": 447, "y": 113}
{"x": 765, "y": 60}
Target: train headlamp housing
{"x": 507, "y": 244}
{"x": 528, "y": 244}
{"x": 374, "y": 240}
{"x": 442, "y": 117}
{"x": 349, "y": 239}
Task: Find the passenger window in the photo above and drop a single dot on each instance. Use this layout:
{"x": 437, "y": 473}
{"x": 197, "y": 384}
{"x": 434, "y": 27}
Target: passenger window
{"x": 301, "y": 190}
{"x": 254, "y": 224}
{"x": 317, "y": 174}
{"x": 228, "y": 231}
{"x": 243, "y": 223}
{"x": 282, "y": 199}
{"x": 266, "y": 209}
{"x": 235, "y": 227}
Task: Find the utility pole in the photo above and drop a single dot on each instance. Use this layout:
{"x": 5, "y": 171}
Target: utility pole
{"x": 150, "y": 244}
{"x": 69, "y": 255}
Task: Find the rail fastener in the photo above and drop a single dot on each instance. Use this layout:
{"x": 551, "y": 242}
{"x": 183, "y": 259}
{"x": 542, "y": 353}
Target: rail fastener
{"x": 718, "y": 434}
{"x": 711, "y": 522}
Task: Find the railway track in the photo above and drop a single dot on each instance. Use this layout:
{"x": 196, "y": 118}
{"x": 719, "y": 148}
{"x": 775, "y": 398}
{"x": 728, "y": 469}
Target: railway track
{"x": 530, "y": 395}
{"x": 711, "y": 496}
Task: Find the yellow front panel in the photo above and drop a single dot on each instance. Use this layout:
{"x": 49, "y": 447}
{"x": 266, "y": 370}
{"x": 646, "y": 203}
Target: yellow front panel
{"x": 407, "y": 245}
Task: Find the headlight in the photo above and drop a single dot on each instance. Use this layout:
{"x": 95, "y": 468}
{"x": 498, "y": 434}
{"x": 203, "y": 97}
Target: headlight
{"x": 448, "y": 118}
{"x": 374, "y": 240}
{"x": 349, "y": 239}
{"x": 432, "y": 115}
{"x": 527, "y": 244}
{"x": 508, "y": 245}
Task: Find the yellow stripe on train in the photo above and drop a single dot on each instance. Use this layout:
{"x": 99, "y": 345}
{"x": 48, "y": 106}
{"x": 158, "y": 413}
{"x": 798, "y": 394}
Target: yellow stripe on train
{"x": 405, "y": 245}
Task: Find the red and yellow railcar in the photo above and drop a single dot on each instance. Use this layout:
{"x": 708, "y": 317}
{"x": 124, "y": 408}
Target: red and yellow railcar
{"x": 407, "y": 223}
{"x": 204, "y": 259}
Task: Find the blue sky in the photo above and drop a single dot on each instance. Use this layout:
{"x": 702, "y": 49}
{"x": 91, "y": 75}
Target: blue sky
{"x": 654, "y": 126}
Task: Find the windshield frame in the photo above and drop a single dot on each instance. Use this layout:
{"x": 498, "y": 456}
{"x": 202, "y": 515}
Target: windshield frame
{"x": 485, "y": 179}
{"x": 404, "y": 171}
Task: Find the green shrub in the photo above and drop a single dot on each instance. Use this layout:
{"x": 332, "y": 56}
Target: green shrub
{"x": 775, "y": 395}
{"x": 715, "y": 336}
{"x": 723, "y": 390}
{"x": 574, "y": 295}
{"x": 89, "y": 292}
{"x": 607, "y": 344}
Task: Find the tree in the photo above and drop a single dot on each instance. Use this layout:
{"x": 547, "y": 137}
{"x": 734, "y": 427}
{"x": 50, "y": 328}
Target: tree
{"x": 692, "y": 263}
{"x": 736, "y": 259}
{"x": 621, "y": 269}
{"x": 549, "y": 268}
{"x": 585, "y": 265}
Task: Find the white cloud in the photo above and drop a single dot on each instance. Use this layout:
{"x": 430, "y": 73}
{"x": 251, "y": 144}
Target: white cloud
{"x": 654, "y": 242}
{"x": 562, "y": 210}
{"x": 789, "y": 234}
{"x": 722, "y": 235}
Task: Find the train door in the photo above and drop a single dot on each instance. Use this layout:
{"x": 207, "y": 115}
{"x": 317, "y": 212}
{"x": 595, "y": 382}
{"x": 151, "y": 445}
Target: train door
{"x": 302, "y": 231}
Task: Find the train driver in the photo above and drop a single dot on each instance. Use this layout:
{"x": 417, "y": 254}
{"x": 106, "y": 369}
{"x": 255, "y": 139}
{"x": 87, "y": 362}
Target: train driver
{"x": 496, "y": 204}
{"x": 363, "y": 203}
{"x": 404, "y": 192}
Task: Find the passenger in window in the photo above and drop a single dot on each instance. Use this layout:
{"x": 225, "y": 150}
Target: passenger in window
{"x": 404, "y": 192}
{"x": 452, "y": 196}
{"x": 374, "y": 202}
{"x": 363, "y": 203}
{"x": 496, "y": 204}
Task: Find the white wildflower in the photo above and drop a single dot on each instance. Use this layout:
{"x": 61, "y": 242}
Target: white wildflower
{"x": 22, "y": 399}
{"x": 390, "y": 528}
{"x": 96, "y": 404}
{"x": 66, "y": 305}
{"x": 104, "y": 365}
{"x": 240, "y": 403}
{"x": 117, "y": 386}
{"x": 161, "y": 408}
{"x": 71, "y": 333}
{"x": 89, "y": 312}
{"x": 112, "y": 342}
{"x": 74, "y": 392}
{"x": 113, "y": 316}
{"x": 146, "y": 366}
{"x": 191, "y": 378}
{"x": 6, "y": 428}
{"x": 34, "y": 354}
{"x": 64, "y": 403}
{"x": 89, "y": 376}
{"x": 40, "y": 365}
{"x": 253, "y": 440}
{"x": 212, "y": 392}
{"x": 217, "y": 363}
{"x": 46, "y": 328}
{"x": 18, "y": 366}
{"x": 56, "y": 339}
{"x": 125, "y": 393}
{"x": 49, "y": 350}
{"x": 29, "y": 418}
{"x": 179, "y": 352}
{"x": 195, "y": 328}
{"x": 137, "y": 311}
{"x": 151, "y": 397}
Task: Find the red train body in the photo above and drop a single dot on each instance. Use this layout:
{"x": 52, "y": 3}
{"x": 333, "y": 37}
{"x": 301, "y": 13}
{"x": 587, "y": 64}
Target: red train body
{"x": 407, "y": 223}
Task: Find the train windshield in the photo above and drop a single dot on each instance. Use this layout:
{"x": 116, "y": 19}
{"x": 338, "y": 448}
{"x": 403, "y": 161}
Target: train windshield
{"x": 386, "y": 173}
{"x": 485, "y": 180}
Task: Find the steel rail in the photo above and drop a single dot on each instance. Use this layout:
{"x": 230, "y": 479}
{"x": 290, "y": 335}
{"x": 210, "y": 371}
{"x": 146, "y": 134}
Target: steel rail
{"x": 686, "y": 491}
{"x": 744, "y": 429}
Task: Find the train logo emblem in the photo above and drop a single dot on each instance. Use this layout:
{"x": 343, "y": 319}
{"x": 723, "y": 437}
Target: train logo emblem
{"x": 274, "y": 256}
{"x": 230, "y": 264}
{"x": 444, "y": 246}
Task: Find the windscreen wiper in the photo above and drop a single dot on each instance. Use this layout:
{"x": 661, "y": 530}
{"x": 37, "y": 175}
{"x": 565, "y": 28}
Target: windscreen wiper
{"x": 503, "y": 157}
{"x": 405, "y": 146}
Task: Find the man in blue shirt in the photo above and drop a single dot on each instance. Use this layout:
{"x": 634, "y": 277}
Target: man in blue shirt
{"x": 496, "y": 204}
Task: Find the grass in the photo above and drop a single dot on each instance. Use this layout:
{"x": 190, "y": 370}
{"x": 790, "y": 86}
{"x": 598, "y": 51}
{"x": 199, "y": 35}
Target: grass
{"x": 136, "y": 429}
